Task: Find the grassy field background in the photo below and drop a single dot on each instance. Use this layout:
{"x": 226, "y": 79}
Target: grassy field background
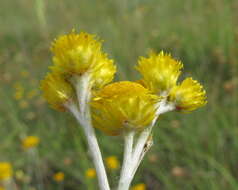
{"x": 191, "y": 151}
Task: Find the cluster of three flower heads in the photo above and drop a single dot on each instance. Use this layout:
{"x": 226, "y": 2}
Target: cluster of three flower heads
{"x": 117, "y": 106}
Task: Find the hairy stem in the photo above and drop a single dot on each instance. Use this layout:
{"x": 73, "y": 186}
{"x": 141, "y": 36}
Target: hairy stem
{"x": 142, "y": 145}
{"x": 126, "y": 177}
{"x": 83, "y": 115}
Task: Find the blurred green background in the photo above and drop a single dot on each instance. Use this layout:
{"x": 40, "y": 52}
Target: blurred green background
{"x": 191, "y": 151}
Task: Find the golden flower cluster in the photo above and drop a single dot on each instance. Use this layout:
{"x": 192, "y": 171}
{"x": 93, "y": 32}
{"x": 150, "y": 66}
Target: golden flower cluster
{"x": 74, "y": 56}
{"x": 160, "y": 73}
{"x": 119, "y": 106}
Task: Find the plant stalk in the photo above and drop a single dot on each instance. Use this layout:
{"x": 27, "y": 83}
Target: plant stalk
{"x": 83, "y": 115}
{"x": 126, "y": 175}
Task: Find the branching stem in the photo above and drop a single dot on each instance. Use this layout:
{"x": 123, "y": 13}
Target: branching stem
{"x": 83, "y": 116}
{"x": 142, "y": 145}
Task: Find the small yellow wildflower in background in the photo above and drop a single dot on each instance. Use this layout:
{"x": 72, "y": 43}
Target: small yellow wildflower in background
{"x": 5, "y": 170}
{"x": 59, "y": 176}
{"x": 112, "y": 162}
{"x": 2, "y": 188}
{"x": 160, "y": 71}
{"x": 90, "y": 173}
{"x": 121, "y": 106}
{"x": 140, "y": 186}
{"x": 30, "y": 142}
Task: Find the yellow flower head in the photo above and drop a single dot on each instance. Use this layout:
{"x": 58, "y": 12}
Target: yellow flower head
{"x": 5, "y": 170}
{"x": 75, "y": 54}
{"x": 58, "y": 177}
{"x": 123, "y": 105}
{"x": 140, "y": 186}
{"x": 56, "y": 90}
{"x": 160, "y": 71}
{"x": 188, "y": 96}
{"x": 30, "y": 142}
{"x": 112, "y": 162}
{"x": 90, "y": 173}
{"x": 2, "y": 188}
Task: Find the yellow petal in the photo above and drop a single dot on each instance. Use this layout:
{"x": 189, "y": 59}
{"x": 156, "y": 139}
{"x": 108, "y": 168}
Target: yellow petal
{"x": 123, "y": 105}
{"x": 159, "y": 71}
{"x": 56, "y": 90}
{"x": 188, "y": 96}
{"x": 75, "y": 54}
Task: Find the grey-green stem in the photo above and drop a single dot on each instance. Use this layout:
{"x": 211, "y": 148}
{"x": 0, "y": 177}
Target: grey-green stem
{"x": 126, "y": 177}
{"x": 83, "y": 116}
{"x": 142, "y": 145}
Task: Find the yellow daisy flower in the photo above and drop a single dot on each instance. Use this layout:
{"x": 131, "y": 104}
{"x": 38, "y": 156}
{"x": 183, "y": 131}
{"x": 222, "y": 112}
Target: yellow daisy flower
{"x": 140, "y": 186}
{"x": 90, "y": 173}
{"x": 56, "y": 90}
{"x": 160, "y": 72}
{"x": 58, "y": 177}
{"x": 123, "y": 105}
{"x": 5, "y": 170}
{"x": 30, "y": 142}
{"x": 188, "y": 96}
{"x": 112, "y": 162}
{"x": 75, "y": 54}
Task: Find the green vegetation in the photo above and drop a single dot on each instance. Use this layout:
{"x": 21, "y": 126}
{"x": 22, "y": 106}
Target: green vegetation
{"x": 191, "y": 151}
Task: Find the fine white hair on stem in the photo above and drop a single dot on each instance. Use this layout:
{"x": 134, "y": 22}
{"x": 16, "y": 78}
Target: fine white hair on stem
{"x": 126, "y": 177}
{"x": 142, "y": 145}
{"x": 82, "y": 113}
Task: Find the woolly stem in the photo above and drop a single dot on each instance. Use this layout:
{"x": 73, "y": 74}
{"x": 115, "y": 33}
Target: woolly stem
{"x": 83, "y": 116}
{"x": 143, "y": 144}
{"x": 126, "y": 177}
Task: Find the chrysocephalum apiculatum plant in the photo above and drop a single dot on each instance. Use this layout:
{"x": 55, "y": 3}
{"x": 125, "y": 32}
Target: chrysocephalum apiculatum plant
{"x": 78, "y": 82}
